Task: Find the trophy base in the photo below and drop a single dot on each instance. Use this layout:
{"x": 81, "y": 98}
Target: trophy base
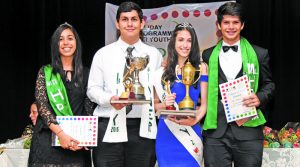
{"x": 124, "y": 96}
{"x": 140, "y": 97}
{"x": 186, "y": 108}
{"x": 179, "y": 114}
{"x": 186, "y": 104}
{"x": 132, "y": 95}
{"x": 170, "y": 108}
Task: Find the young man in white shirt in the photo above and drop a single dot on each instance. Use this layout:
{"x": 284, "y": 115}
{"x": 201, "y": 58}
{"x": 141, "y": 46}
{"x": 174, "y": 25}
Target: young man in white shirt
{"x": 123, "y": 140}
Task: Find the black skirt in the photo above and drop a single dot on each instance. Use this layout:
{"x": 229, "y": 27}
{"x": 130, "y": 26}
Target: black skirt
{"x": 42, "y": 154}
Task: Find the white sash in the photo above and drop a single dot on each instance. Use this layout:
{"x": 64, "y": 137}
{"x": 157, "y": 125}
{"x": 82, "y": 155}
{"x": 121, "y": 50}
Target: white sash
{"x": 184, "y": 134}
{"x": 148, "y": 127}
{"x": 188, "y": 138}
{"x": 116, "y": 130}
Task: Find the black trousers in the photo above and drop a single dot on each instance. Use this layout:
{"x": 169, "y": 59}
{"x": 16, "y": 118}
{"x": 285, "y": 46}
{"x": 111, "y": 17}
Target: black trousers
{"x": 137, "y": 152}
{"x": 223, "y": 151}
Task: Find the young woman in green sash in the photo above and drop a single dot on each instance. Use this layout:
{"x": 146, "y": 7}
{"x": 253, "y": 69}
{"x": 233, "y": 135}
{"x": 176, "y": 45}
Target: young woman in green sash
{"x": 232, "y": 58}
{"x": 60, "y": 91}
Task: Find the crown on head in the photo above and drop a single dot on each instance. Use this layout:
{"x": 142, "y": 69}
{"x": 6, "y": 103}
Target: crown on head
{"x": 184, "y": 25}
{"x": 66, "y": 24}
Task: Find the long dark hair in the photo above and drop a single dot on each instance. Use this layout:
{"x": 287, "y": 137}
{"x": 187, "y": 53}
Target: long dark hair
{"x": 55, "y": 55}
{"x": 172, "y": 59}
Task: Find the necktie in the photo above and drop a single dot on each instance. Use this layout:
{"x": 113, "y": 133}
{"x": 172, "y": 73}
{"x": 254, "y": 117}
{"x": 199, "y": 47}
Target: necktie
{"x": 226, "y": 48}
{"x": 129, "y": 51}
{"x": 129, "y": 54}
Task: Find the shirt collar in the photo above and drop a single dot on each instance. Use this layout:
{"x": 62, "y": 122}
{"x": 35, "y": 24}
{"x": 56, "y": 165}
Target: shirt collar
{"x": 125, "y": 45}
{"x": 226, "y": 44}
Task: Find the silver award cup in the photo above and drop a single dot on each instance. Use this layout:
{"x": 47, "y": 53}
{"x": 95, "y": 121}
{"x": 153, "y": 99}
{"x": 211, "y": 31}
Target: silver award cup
{"x": 135, "y": 65}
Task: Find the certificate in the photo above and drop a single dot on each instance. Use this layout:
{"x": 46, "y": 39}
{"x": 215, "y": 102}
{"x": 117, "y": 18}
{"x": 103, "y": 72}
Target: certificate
{"x": 82, "y": 128}
{"x": 232, "y": 93}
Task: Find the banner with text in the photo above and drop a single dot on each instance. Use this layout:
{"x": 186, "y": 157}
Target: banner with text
{"x": 160, "y": 22}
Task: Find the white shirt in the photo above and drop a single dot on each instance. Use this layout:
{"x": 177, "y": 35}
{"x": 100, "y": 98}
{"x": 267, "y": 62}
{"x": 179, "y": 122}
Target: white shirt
{"x": 108, "y": 65}
{"x": 231, "y": 61}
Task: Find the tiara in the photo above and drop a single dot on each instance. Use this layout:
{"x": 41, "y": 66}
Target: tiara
{"x": 184, "y": 25}
{"x": 66, "y": 24}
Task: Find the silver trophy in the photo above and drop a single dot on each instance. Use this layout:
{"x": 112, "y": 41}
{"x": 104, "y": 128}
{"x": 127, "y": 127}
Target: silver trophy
{"x": 133, "y": 87}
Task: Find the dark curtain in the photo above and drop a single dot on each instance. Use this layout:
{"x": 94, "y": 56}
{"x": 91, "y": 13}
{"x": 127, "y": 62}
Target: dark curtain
{"x": 26, "y": 28}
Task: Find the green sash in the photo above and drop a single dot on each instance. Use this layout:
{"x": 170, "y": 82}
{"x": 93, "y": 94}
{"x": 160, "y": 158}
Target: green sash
{"x": 250, "y": 67}
{"x": 57, "y": 93}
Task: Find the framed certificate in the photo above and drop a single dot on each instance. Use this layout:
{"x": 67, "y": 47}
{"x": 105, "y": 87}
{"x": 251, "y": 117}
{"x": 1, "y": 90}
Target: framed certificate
{"x": 232, "y": 93}
{"x": 82, "y": 128}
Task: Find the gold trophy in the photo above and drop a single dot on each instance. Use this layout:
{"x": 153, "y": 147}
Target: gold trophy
{"x": 134, "y": 89}
{"x": 188, "y": 74}
{"x": 168, "y": 91}
{"x": 127, "y": 82}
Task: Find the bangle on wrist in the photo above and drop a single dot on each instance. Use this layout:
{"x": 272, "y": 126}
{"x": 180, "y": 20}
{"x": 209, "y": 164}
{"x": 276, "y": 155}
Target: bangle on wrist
{"x": 59, "y": 132}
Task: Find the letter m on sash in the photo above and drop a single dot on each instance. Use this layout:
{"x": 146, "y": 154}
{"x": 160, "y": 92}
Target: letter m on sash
{"x": 251, "y": 69}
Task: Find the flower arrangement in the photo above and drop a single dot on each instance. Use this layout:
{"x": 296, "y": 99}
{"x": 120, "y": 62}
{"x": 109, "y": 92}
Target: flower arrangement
{"x": 271, "y": 139}
{"x": 289, "y": 135}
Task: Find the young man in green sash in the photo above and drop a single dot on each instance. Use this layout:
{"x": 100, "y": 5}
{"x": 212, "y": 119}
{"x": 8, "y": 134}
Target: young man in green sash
{"x": 231, "y": 58}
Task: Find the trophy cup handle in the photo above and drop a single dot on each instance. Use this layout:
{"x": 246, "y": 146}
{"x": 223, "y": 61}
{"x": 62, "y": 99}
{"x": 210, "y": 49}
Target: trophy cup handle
{"x": 128, "y": 62}
{"x": 129, "y": 72}
{"x": 176, "y": 72}
{"x": 147, "y": 60}
{"x": 200, "y": 70}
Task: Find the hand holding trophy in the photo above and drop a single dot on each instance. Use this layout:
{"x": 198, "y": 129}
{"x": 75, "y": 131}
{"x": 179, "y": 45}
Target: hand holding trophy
{"x": 186, "y": 106}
